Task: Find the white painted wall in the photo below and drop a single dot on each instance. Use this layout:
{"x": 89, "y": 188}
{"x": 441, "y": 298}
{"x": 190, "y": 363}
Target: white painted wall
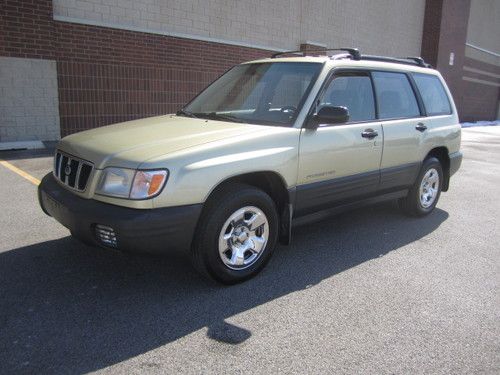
{"x": 391, "y": 27}
{"x": 29, "y": 107}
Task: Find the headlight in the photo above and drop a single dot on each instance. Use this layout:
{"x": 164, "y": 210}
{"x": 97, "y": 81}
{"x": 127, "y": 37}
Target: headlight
{"x": 132, "y": 184}
{"x": 147, "y": 184}
{"x": 116, "y": 182}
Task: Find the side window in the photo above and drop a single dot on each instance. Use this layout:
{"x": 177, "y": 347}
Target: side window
{"x": 354, "y": 91}
{"x": 433, "y": 95}
{"x": 395, "y": 97}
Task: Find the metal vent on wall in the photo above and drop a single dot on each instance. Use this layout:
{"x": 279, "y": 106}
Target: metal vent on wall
{"x": 71, "y": 171}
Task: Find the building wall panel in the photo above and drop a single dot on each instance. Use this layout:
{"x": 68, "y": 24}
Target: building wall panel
{"x": 483, "y": 30}
{"x": 481, "y": 74}
{"x": 272, "y": 24}
{"x": 29, "y": 108}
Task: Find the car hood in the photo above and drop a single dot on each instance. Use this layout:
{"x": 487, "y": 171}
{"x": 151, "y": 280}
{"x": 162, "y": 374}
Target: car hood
{"x": 130, "y": 143}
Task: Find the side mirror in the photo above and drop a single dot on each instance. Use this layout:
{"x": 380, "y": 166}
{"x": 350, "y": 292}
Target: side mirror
{"x": 329, "y": 115}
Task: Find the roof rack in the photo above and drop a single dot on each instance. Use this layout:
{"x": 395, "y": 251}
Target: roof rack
{"x": 354, "y": 54}
{"x": 398, "y": 60}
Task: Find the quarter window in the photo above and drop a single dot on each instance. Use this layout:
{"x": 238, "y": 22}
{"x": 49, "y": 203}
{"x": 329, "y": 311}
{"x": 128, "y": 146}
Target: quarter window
{"x": 395, "y": 97}
{"x": 353, "y": 91}
{"x": 433, "y": 95}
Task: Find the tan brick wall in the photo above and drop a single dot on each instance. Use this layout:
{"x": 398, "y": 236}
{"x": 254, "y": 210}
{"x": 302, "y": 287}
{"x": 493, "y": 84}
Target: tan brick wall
{"x": 393, "y": 27}
{"x": 28, "y": 100}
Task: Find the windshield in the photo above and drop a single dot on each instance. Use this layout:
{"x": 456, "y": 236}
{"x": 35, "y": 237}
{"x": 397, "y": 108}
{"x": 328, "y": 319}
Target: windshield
{"x": 261, "y": 93}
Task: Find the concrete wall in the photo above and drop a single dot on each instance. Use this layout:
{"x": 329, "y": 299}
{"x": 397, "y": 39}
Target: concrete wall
{"x": 393, "y": 27}
{"x": 28, "y": 100}
{"x": 483, "y": 31}
{"x": 481, "y": 69}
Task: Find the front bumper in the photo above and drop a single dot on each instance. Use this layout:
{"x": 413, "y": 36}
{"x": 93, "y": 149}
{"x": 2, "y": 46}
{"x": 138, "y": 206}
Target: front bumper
{"x": 157, "y": 230}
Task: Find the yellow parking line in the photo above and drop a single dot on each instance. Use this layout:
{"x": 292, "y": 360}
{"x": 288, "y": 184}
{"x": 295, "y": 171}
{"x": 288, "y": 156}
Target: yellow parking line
{"x": 20, "y": 172}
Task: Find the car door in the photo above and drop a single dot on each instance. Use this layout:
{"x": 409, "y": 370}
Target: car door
{"x": 339, "y": 163}
{"x": 403, "y": 126}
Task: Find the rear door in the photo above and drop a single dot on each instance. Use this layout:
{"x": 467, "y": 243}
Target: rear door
{"x": 403, "y": 126}
{"x": 340, "y": 163}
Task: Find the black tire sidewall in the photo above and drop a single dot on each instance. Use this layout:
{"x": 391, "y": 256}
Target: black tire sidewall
{"x": 214, "y": 219}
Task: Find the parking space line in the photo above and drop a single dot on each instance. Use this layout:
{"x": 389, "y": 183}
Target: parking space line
{"x": 20, "y": 172}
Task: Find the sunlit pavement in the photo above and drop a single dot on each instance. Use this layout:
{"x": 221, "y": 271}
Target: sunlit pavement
{"x": 371, "y": 291}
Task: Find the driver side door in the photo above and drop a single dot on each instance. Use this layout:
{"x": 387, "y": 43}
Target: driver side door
{"x": 340, "y": 163}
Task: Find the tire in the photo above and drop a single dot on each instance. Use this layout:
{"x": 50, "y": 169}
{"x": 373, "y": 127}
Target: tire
{"x": 425, "y": 192}
{"x": 242, "y": 219}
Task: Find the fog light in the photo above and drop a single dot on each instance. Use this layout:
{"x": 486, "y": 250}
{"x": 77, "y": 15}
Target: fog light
{"x": 106, "y": 235}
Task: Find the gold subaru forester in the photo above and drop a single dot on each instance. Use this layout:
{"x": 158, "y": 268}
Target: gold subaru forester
{"x": 266, "y": 143}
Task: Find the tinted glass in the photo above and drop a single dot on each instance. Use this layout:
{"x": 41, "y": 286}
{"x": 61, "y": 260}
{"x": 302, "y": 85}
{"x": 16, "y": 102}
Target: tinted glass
{"x": 395, "y": 97}
{"x": 267, "y": 93}
{"x": 433, "y": 95}
{"x": 354, "y": 92}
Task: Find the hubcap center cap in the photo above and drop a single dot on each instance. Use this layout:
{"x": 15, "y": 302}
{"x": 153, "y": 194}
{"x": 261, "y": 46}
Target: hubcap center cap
{"x": 241, "y": 235}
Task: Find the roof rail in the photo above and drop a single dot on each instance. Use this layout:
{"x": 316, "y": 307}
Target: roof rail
{"x": 354, "y": 52}
{"x": 419, "y": 60}
{"x": 398, "y": 60}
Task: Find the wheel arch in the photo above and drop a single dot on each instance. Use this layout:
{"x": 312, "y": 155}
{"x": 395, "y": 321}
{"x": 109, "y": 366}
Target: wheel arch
{"x": 273, "y": 184}
{"x": 442, "y": 154}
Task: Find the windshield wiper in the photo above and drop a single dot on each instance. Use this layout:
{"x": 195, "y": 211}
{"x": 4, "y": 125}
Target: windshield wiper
{"x": 219, "y": 116}
{"x": 183, "y": 112}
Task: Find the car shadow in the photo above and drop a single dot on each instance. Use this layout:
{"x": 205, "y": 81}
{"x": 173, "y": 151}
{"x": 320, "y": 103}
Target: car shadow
{"x": 66, "y": 307}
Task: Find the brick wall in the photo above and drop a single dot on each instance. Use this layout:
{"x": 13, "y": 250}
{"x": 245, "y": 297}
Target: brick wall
{"x": 28, "y": 76}
{"x": 432, "y": 31}
{"x": 251, "y": 21}
{"x": 273, "y": 23}
{"x": 448, "y": 26}
{"x": 481, "y": 75}
{"x": 111, "y": 74}
{"x": 26, "y": 27}
{"x": 483, "y": 30}
{"x": 108, "y": 75}
{"x": 480, "y": 99}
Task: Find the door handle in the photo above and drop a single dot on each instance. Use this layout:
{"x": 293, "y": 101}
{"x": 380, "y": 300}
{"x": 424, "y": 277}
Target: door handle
{"x": 421, "y": 127}
{"x": 369, "y": 133}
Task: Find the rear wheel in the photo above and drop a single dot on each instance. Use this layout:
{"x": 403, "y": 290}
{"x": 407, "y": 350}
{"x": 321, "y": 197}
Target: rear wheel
{"x": 425, "y": 192}
{"x": 236, "y": 235}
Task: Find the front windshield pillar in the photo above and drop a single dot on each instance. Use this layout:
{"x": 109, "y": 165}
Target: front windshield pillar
{"x": 313, "y": 94}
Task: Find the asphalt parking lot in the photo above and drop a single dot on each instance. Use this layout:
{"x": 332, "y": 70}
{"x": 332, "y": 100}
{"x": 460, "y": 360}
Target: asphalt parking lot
{"x": 370, "y": 291}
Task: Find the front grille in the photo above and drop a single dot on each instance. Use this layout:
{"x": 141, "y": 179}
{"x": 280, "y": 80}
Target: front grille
{"x": 71, "y": 171}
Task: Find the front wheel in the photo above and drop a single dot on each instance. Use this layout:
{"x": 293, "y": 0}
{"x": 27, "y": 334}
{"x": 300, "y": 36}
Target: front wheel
{"x": 236, "y": 235}
{"x": 424, "y": 194}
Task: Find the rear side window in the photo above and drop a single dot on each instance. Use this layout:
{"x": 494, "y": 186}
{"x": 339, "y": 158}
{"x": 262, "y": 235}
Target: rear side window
{"x": 433, "y": 94}
{"x": 354, "y": 91}
{"x": 395, "y": 97}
